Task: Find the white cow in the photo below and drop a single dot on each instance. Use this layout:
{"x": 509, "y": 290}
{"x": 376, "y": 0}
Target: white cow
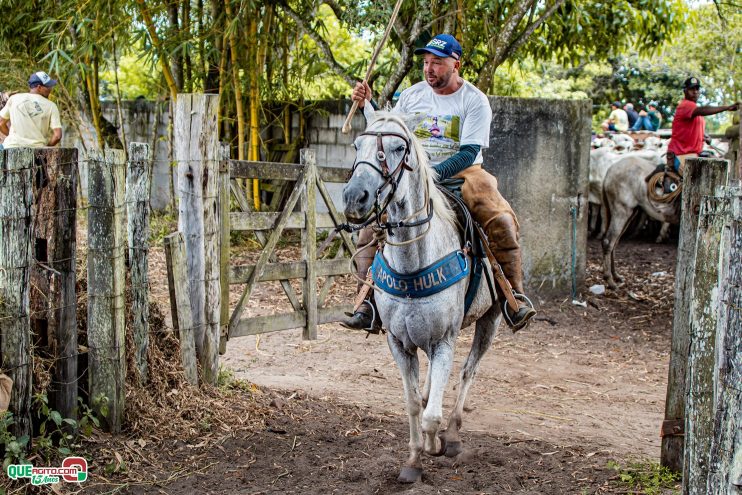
{"x": 601, "y": 160}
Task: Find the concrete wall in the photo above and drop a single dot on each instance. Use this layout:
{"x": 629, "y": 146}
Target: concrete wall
{"x": 539, "y": 152}
{"x": 139, "y": 118}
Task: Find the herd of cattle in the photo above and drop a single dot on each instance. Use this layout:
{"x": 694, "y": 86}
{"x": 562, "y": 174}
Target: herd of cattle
{"x": 619, "y": 168}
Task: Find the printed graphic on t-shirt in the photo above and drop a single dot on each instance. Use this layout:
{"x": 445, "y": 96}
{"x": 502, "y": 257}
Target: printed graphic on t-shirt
{"x": 440, "y": 135}
{"x": 32, "y": 108}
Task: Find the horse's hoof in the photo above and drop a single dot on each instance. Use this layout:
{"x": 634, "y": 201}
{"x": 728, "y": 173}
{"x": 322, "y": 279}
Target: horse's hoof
{"x": 454, "y": 448}
{"x": 410, "y": 475}
{"x": 442, "y": 449}
{"x": 618, "y": 278}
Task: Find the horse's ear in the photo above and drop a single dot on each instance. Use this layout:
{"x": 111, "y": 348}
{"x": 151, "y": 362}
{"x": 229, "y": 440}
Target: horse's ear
{"x": 413, "y": 120}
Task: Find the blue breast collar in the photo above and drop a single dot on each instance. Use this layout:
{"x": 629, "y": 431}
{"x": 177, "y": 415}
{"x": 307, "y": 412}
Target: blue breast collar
{"x": 430, "y": 280}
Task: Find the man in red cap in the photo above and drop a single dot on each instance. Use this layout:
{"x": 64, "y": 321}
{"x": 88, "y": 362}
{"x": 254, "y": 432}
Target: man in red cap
{"x": 689, "y": 125}
{"x": 454, "y": 128}
{"x": 34, "y": 119}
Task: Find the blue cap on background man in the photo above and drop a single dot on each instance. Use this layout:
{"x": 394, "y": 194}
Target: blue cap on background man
{"x": 692, "y": 82}
{"x": 41, "y": 79}
{"x": 442, "y": 45}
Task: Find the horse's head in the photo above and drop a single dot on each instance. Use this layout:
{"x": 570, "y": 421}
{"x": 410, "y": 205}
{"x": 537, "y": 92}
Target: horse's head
{"x": 384, "y": 152}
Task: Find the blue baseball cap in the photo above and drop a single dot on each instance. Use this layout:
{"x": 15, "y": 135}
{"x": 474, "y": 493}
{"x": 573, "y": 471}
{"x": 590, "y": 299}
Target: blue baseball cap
{"x": 442, "y": 45}
{"x": 41, "y": 79}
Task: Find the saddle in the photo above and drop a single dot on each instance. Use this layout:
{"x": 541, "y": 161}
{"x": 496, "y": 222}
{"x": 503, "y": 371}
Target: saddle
{"x": 472, "y": 240}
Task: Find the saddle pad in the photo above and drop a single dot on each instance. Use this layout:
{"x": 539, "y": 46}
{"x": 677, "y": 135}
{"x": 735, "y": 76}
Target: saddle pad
{"x": 430, "y": 280}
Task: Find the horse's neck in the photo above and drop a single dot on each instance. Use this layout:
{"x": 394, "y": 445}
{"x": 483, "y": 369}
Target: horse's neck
{"x": 412, "y": 248}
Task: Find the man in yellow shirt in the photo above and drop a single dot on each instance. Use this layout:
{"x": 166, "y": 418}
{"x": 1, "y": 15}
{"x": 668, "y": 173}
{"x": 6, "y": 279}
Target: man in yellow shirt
{"x": 618, "y": 120}
{"x": 34, "y": 120}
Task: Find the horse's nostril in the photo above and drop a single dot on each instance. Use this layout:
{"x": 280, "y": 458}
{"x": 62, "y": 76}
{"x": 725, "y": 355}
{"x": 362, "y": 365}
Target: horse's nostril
{"x": 364, "y": 197}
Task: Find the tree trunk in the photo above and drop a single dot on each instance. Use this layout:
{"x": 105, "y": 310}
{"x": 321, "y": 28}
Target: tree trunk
{"x": 176, "y": 60}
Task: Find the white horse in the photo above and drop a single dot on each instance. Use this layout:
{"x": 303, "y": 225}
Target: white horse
{"x": 391, "y": 174}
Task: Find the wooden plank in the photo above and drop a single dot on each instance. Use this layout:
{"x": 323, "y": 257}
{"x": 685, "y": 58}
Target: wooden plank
{"x": 309, "y": 238}
{"x": 16, "y": 203}
{"x": 210, "y": 150}
{"x": 106, "y": 282}
{"x": 240, "y": 221}
{"x": 137, "y": 214}
{"x": 286, "y": 321}
{"x": 243, "y": 169}
{"x": 288, "y": 270}
{"x": 62, "y": 259}
{"x": 704, "y": 315}
{"x": 193, "y": 116}
{"x": 180, "y": 305}
{"x": 53, "y": 298}
{"x": 270, "y": 245}
{"x": 224, "y": 229}
{"x": 725, "y": 462}
{"x": 701, "y": 177}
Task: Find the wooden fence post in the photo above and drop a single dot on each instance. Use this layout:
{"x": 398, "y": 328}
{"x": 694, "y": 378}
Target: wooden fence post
{"x": 725, "y": 462}
{"x": 309, "y": 242}
{"x": 711, "y": 255}
{"x": 180, "y": 304}
{"x": 213, "y": 254}
{"x": 700, "y": 178}
{"x": 53, "y": 291}
{"x": 196, "y": 153}
{"x": 137, "y": 214}
{"x": 106, "y": 283}
{"x": 224, "y": 239}
{"x": 16, "y": 199}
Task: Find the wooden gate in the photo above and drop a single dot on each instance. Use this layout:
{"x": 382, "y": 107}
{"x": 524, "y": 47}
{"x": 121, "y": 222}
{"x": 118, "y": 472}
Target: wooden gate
{"x": 268, "y": 226}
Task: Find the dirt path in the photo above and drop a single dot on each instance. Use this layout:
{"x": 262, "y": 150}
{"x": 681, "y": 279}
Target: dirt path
{"x": 552, "y": 405}
{"x": 593, "y": 376}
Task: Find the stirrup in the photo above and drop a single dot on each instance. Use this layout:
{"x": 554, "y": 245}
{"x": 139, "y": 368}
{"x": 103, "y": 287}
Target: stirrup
{"x": 375, "y": 325}
{"x": 526, "y": 319}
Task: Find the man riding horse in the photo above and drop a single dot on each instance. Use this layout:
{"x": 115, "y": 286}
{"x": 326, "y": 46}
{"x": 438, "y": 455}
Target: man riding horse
{"x": 454, "y": 128}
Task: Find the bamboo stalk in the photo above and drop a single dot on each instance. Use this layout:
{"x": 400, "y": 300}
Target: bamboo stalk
{"x": 254, "y": 103}
{"x": 166, "y": 72}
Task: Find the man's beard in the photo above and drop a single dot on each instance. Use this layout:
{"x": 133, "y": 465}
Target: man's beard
{"x": 439, "y": 81}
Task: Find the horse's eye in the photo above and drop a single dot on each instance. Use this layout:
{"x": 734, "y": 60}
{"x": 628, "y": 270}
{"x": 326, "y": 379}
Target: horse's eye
{"x": 400, "y": 148}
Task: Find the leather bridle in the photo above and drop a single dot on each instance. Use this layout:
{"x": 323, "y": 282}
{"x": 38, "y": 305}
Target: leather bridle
{"x": 391, "y": 179}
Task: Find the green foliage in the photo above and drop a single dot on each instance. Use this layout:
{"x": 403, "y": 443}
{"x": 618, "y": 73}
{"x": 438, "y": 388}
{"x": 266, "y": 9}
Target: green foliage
{"x": 162, "y": 223}
{"x": 649, "y": 478}
{"x": 226, "y": 381}
{"x": 15, "y": 448}
{"x": 57, "y": 436}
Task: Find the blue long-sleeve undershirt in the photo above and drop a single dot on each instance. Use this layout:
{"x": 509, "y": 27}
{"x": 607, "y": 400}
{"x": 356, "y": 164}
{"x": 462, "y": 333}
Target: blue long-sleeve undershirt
{"x": 463, "y": 159}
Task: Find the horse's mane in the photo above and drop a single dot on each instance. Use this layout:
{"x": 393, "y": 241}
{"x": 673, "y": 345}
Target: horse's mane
{"x": 428, "y": 175}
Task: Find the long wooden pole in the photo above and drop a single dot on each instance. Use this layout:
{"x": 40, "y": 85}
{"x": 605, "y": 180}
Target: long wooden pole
{"x": 346, "y": 126}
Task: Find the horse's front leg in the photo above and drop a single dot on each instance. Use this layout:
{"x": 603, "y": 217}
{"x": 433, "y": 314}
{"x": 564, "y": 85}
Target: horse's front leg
{"x": 483, "y": 337}
{"x": 426, "y": 387}
{"x": 441, "y": 360}
{"x": 409, "y": 367}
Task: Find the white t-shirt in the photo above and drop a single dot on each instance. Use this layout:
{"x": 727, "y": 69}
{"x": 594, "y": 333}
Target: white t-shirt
{"x": 32, "y": 118}
{"x": 450, "y": 121}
